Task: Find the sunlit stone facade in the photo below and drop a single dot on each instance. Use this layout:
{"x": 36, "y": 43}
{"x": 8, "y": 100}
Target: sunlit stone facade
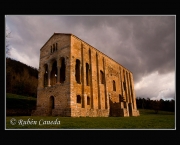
{"x": 75, "y": 79}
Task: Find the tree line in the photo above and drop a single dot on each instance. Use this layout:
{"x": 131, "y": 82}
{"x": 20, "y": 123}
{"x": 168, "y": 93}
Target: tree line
{"x": 20, "y": 78}
{"x": 156, "y": 105}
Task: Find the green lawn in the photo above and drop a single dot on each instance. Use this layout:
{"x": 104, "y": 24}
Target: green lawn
{"x": 147, "y": 120}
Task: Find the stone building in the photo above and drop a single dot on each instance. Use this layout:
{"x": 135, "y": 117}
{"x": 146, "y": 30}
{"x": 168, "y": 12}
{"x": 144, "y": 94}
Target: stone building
{"x": 75, "y": 79}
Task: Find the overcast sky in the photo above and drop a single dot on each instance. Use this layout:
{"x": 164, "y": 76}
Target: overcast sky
{"x": 143, "y": 44}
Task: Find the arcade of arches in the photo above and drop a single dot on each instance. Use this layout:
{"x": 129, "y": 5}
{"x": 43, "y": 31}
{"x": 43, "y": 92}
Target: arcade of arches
{"x": 54, "y": 72}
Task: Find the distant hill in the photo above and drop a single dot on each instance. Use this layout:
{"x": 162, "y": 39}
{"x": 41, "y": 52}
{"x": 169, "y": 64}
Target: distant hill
{"x": 20, "y": 78}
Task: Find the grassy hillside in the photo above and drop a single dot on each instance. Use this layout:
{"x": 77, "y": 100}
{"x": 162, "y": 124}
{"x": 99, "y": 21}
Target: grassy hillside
{"x": 19, "y": 105}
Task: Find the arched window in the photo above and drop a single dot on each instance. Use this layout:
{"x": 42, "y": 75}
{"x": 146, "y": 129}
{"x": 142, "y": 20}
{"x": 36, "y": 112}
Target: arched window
{"x": 77, "y": 71}
{"x": 87, "y": 74}
{"x": 114, "y": 85}
{"x": 101, "y": 77}
{"x": 88, "y": 100}
{"x": 78, "y": 99}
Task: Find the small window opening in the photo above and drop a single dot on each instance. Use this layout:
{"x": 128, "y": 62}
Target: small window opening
{"x": 78, "y": 99}
{"x": 124, "y": 85}
{"x": 101, "y": 77}
{"x": 114, "y": 86}
{"x": 87, "y": 74}
{"x": 77, "y": 69}
{"x": 88, "y": 100}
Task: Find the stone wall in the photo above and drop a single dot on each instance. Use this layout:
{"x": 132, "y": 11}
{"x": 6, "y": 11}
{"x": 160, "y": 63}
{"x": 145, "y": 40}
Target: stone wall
{"x": 59, "y": 91}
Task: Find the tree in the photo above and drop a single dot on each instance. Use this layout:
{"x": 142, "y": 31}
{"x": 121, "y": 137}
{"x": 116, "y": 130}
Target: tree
{"x": 7, "y": 42}
{"x": 156, "y": 106}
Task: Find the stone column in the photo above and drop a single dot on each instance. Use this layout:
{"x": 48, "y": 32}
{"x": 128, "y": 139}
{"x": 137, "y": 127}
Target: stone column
{"x": 105, "y": 87}
{"x": 120, "y": 89}
{"x": 91, "y": 82}
{"x": 126, "y": 84}
{"x": 127, "y": 107}
{"x": 49, "y": 73}
{"x": 130, "y": 89}
{"x": 58, "y": 74}
{"x": 82, "y": 75}
{"x": 98, "y": 87}
{"x": 58, "y": 71}
{"x": 66, "y": 68}
{"x": 133, "y": 92}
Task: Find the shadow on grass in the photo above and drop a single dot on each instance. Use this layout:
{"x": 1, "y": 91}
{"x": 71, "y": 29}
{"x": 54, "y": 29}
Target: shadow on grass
{"x": 147, "y": 111}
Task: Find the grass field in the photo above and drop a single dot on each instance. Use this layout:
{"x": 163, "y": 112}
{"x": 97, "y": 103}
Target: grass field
{"x": 14, "y": 101}
{"x": 147, "y": 120}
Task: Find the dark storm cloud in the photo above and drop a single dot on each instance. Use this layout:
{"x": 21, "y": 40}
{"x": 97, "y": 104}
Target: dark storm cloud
{"x": 155, "y": 39}
{"x": 28, "y": 32}
{"x": 142, "y": 44}
{"x": 126, "y": 38}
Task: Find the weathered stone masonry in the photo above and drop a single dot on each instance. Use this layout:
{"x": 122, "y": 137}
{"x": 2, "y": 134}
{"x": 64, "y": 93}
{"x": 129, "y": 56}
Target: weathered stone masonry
{"x": 76, "y": 79}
